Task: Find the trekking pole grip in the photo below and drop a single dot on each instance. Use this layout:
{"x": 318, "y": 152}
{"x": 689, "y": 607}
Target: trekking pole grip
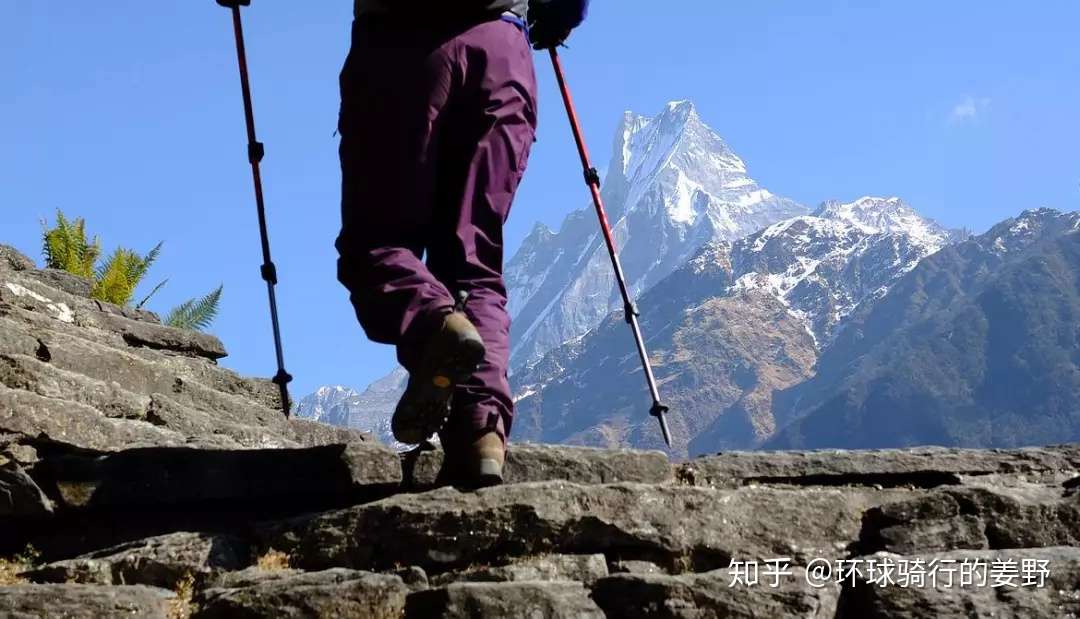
{"x": 233, "y": 4}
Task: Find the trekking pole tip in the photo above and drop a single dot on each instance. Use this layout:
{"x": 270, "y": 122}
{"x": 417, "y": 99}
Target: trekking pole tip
{"x": 659, "y": 410}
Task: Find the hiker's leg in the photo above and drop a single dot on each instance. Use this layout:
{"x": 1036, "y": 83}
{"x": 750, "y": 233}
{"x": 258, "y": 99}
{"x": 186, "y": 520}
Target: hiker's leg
{"x": 484, "y": 158}
{"x": 394, "y": 87}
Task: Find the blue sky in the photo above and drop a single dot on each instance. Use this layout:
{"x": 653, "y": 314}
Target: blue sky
{"x": 129, "y": 114}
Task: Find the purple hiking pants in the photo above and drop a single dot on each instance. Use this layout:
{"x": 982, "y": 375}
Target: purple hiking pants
{"x": 436, "y": 125}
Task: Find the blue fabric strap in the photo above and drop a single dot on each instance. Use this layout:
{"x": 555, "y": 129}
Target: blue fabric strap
{"x": 517, "y": 21}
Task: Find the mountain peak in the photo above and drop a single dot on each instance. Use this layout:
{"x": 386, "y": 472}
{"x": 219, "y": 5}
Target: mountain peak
{"x": 681, "y": 111}
{"x": 672, "y": 185}
{"x": 334, "y": 390}
{"x": 878, "y": 215}
{"x": 1028, "y": 227}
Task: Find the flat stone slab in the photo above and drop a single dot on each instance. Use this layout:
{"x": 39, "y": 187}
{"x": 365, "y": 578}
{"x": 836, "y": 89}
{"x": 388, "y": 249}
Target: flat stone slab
{"x": 160, "y": 476}
{"x": 1021, "y": 582}
{"x": 581, "y": 568}
{"x": 32, "y": 415}
{"x": 526, "y": 462}
{"x": 51, "y": 295}
{"x": 974, "y": 518}
{"x": 681, "y": 528}
{"x": 330, "y": 594}
{"x": 553, "y": 600}
{"x": 84, "y": 602}
{"x": 713, "y": 594}
{"x": 162, "y": 561}
{"x": 920, "y": 466}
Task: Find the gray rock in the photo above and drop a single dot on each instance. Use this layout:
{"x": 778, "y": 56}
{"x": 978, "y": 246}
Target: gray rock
{"x": 133, "y": 313}
{"x": 677, "y": 527}
{"x": 12, "y": 450}
{"x": 158, "y": 561}
{"x": 31, "y": 374}
{"x": 20, "y": 496}
{"x": 414, "y": 577}
{"x": 551, "y": 600}
{"x": 636, "y": 567}
{"x": 152, "y": 477}
{"x": 527, "y": 462}
{"x": 84, "y": 602}
{"x": 160, "y": 337}
{"x": 13, "y": 259}
{"x": 32, "y": 415}
{"x": 1055, "y": 593}
{"x": 332, "y": 594}
{"x": 62, "y": 280}
{"x": 583, "y": 568}
{"x": 186, "y": 400}
{"x": 711, "y": 594}
{"x": 921, "y": 466}
{"x": 973, "y": 518}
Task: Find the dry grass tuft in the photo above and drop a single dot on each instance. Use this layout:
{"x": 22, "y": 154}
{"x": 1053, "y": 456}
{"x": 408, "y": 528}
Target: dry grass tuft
{"x": 272, "y": 561}
{"x": 10, "y": 567}
{"x": 180, "y": 606}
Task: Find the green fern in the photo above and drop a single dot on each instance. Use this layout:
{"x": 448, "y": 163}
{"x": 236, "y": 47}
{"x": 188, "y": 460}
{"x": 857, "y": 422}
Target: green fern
{"x": 195, "y": 314}
{"x": 117, "y": 278}
{"x": 160, "y": 285}
{"x": 65, "y": 246}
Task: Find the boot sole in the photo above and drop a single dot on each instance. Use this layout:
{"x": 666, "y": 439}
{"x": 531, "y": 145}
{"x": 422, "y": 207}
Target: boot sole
{"x": 424, "y": 407}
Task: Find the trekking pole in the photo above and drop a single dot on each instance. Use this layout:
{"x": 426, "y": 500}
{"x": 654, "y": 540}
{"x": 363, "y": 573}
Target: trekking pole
{"x": 255, "y": 155}
{"x": 592, "y": 179}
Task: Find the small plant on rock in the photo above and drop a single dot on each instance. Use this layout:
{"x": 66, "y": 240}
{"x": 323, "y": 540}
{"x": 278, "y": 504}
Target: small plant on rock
{"x": 272, "y": 561}
{"x": 66, "y": 246}
{"x": 12, "y": 567}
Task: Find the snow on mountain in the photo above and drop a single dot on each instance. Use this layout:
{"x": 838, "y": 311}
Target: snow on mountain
{"x": 735, "y": 323}
{"x": 368, "y": 411}
{"x": 322, "y": 405}
{"x": 822, "y": 266}
{"x": 874, "y": 215}
{"x": 672, "y": 186}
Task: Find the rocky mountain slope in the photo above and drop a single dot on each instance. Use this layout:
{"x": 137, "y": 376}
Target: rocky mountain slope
{"x": 977, "y": 346}
{"x": 736, "y": 323}
{"x": 368, "y": 411}
{"x": 154, "y": 483}
{"x": 672, "y": 185}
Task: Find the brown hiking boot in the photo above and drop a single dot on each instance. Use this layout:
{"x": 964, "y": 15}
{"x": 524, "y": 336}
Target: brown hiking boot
{"x": 450, "y": 357}
{"x": 485, "y": 461}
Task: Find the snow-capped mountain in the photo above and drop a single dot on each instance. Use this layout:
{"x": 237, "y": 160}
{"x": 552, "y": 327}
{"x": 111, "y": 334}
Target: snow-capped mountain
{"x": 672, "y": 186}
{"x": 735, "y": 323}
{"x": 977, "y": 346}
{"x": 822, "y": 266}
{"x": 369, "y": 411}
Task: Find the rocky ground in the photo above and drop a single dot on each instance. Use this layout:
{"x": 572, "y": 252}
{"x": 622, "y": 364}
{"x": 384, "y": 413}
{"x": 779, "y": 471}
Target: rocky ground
{"x": 148, "y": 481}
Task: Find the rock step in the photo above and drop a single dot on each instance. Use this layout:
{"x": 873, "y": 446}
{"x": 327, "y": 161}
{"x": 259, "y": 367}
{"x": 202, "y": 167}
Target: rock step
{"x": 33, "y": 293}
{"x": 137, "y": 371}
{"x": 925, "y": 467}
{"x": 677, "y": 527}
{"x": 1021, "y": 582}
{"x": 84, "y": 602}
{"x": 527, "y": 462}
{"x": 169, "y": 397}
